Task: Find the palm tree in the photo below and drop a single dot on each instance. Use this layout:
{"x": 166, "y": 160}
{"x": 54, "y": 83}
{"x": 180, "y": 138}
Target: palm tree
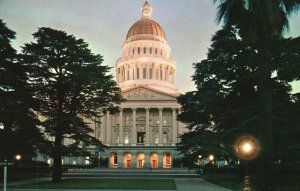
{"x": 261, "y": 22}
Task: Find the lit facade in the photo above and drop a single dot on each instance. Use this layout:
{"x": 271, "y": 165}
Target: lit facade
{"x": 144, "y": 133}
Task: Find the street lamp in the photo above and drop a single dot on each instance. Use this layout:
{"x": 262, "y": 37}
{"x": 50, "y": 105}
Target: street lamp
{"x": 6, "y": 163}
{"x": 247, "y": 148}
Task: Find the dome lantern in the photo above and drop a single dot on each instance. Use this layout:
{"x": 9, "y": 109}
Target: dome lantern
{"x": 146, "y": 11}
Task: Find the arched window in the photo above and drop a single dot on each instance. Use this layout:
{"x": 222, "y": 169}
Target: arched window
{"x": 156, "y": 51}
{"x": 150, "y": 50}
{"x": 145, "y": 50}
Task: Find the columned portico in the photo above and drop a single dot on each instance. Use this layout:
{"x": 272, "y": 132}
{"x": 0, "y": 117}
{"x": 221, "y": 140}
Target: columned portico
{"x": 147, "y": 127}
{"x": 133, "y": 126}
{"x": 160, "y": 110}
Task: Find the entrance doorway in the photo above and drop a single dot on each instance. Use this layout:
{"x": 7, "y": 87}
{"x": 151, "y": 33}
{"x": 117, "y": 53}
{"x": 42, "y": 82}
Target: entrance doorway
{"x": 140, "y": 160}
{"x": 154, "y": 160}
{"x": 127, "y": 160}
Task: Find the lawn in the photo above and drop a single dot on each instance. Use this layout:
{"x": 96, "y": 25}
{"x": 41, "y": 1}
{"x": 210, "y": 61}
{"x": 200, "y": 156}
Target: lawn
{"x": 234, "y": 182}
{"x": 94, "y": 183}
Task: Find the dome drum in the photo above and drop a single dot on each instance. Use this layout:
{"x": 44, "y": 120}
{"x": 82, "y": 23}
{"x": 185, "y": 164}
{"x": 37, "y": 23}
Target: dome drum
{"x": 146, "y": 57}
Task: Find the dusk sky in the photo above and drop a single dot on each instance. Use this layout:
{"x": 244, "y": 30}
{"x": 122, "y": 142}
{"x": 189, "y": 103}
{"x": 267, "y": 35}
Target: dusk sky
{"x": 103, "y": 24}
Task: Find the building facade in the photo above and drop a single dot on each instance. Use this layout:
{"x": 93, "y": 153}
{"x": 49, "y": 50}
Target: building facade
{"x": 144, "y": 133}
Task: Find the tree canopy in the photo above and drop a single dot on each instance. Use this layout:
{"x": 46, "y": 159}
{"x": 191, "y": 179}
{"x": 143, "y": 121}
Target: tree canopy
{"x": 18, "y": 132}
{"x": 70, "y": 85}
{"x": 225, "y": 104}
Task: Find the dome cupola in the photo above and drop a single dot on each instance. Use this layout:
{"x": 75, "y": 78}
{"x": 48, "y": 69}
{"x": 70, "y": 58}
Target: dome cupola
{"x": 146, "y": 56}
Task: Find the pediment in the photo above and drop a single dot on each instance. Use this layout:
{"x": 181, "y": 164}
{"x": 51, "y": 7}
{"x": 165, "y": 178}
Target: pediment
{"x": 146, "y": 94}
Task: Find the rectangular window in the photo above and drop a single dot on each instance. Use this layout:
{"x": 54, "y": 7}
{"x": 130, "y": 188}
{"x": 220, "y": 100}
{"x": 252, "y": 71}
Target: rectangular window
{"x": 139, "y": 50}
{"x": 144, "y": 73}
{"x": 137, "y": 73}
{"x": 165, "y": 120}
{"x": 115, "y": 159}
{"x": 150, "y": 50}
{"x": 145, "y": 50}
{"x": 161, "y": 73}
{"x": 133, "y": 51}
{"x": 150, "y": 73}
{"x": 156, "y": 51}
{"x": 98, "y": 134}
{"x": 168, "y": 159}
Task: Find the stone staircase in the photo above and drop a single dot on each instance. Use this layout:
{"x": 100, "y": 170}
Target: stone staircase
{"x": 129, "y": 173}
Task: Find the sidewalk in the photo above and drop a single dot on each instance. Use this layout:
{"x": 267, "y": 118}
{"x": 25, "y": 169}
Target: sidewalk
{"x": 197, "y": 184}
{"x": 182, "y": 184}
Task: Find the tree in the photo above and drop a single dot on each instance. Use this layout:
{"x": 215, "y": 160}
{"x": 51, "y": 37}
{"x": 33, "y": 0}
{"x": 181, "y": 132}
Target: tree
{"x": 262, "y": 23}
{"x": 71, "y": 85}
{"x": 18, "y": 133}
{"x": 225, "y": 104}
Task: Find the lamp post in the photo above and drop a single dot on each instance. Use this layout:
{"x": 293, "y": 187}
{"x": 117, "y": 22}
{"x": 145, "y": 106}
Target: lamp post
{"x": 211, "y": 160}
{"x": 247, "y": 148}
{"x": 200, "y": 164}
{"x": 17, "y": 157}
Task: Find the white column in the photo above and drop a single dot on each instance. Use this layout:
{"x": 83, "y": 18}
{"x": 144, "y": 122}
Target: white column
{"x": 121, "y": 127}
{"x": 108, "y": 127}
{"x": 147, "y": 126}
{"x": 160, "y": 125}
{"x": 147, "y": 71}
{"x": 141, "y": 71}
{"x": 154, "y": 72}
{"x": 134, "y": 71}
{"x": 174, "y": 126}
{"x": 133, "y": 141}
{"x": 102, "y": 129}
{"x": 120, "y": 159}
{"x": 126, "y": 72}
{"x": 174, "y": 76}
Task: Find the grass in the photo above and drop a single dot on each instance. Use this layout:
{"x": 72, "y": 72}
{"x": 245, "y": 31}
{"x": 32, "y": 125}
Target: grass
{"x": 80, "y": 183}
{"x": 12, "y": 176}
{"x": 234, "y": 182}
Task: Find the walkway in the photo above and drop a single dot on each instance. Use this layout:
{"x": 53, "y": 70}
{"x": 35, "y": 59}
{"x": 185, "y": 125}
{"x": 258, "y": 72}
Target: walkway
{"x": 197, "y": 184}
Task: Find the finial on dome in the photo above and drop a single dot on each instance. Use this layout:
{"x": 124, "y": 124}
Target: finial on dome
{"x": 146, "y": 10}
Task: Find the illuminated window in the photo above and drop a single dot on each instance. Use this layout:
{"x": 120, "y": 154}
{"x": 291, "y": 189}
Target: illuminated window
{"x": 168, "y": 159}
{"x": 126, "y": 137}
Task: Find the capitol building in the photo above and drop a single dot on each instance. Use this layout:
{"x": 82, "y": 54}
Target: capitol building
{"x": 145, "y": 131}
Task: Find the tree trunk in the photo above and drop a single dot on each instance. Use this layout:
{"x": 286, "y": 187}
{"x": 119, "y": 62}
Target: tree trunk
{"x": 57, "y": 165}
{"x": 265, "y": 133}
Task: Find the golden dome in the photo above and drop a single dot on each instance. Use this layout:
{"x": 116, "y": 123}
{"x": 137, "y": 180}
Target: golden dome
{"x": 146, "y": 27}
